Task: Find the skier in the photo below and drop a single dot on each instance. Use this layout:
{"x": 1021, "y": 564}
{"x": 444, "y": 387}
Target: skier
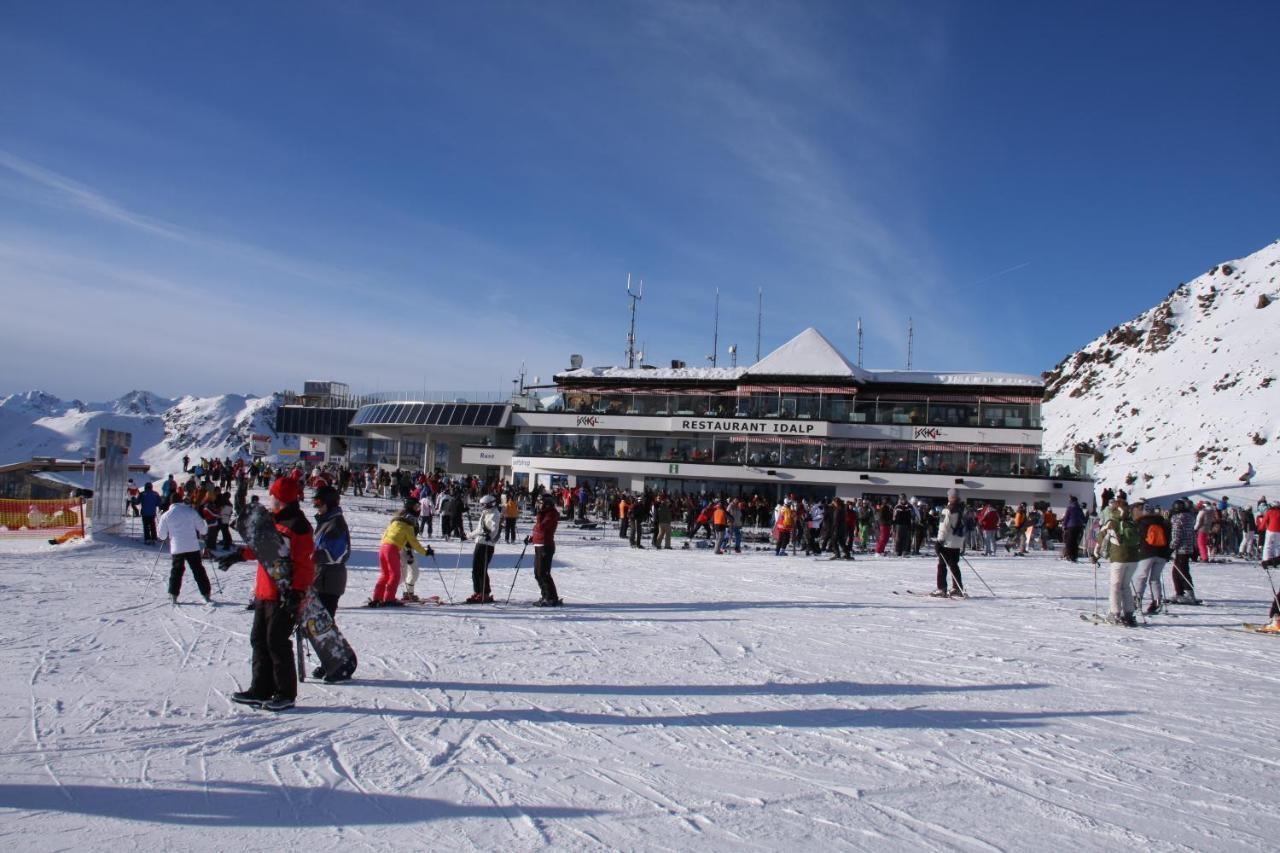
{"x": 1118, "y": 542}
{"x": 510, "y": 512}
{"x": 184, "y": 527}
{"x": 786, "y": 521}
{"x": 1182, "y": 525}
{"x": 949, "y": 541}
{"x": 274, "y": 684}
{"x": 1268, "y": 524}
{"x": 1072, "y": 529}
{"x": 485, "y": 536}
{"x": 399, "y": 534}
{"x": 1248, "y": 475}
{"x": 989, "y": 524}
{"x": 544, "y": 548}
{"x": 148, "y": 502}
{"x": 1154, "y": 538}
{"x": 903, "y": 518}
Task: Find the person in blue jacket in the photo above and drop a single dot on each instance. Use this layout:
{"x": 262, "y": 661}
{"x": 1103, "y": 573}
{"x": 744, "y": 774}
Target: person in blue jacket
{"x": 149, "y": 502}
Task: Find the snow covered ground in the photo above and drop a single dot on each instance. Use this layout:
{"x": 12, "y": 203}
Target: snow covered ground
{"x": 683, "y": 701}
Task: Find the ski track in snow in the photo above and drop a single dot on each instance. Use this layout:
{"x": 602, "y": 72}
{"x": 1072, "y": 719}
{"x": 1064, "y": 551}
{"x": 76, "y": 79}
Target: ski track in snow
{"x": 682, "y": 700}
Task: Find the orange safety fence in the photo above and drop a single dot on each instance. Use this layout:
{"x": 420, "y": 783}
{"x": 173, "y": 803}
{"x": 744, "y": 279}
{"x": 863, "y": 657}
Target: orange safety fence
{"x": 45, "y": 519}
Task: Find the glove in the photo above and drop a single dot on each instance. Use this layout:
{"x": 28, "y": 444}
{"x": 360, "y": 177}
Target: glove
{"x": 430, "y": 551}
{"x": 291, "y": 600}
{"x": 228, "y": 560}
{"x": 528, "y": 539}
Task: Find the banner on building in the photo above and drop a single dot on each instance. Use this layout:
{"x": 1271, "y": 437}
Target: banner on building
{"x": 260, "y": 445}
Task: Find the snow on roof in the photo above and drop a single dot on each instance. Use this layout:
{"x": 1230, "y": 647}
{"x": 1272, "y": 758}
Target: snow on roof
{"x": 958, "y": 377}
{"x": 704, "y": 374}
{"x": 807, "y": 354}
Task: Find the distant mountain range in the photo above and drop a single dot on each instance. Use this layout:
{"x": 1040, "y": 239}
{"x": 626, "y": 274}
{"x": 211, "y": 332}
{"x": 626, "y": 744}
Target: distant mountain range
{"x": 35, "y": 423}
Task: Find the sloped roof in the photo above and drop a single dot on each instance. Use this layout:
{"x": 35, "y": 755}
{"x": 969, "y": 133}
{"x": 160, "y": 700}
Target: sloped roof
{"x": 807, "y": 354}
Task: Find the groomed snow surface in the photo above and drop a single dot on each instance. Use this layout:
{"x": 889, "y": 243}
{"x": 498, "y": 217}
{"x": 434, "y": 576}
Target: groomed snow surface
{"x": 682, "y": 701}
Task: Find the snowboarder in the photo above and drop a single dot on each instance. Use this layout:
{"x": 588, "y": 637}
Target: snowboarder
{"x": 1118, "y": 543}
{"x": 544, "y": 548}
{"x": 485, "y": 536}
{"x": 184, "y": 527}
{"x": 399, "y": 534}
{"x": 1248, "y": 475}
{"x": 333, "y": 547}
{"x": 274, "y": 682}
{"x": 949, "y": 541}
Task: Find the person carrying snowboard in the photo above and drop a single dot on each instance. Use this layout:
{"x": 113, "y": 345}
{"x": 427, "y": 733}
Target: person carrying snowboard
{"x": 544, "y": 548}
{"x": 485, "y": 536}
{"x": 333, "y": 547}
{"x": 400, "y": 533}
{"x": 274, "y": 681}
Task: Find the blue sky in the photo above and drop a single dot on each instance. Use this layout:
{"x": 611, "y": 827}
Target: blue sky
{"x": 207, "y": 198}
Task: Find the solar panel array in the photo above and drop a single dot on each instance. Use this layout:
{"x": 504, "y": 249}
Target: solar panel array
{"x": 432, "y": 414}
{"x": 307, "y": 420}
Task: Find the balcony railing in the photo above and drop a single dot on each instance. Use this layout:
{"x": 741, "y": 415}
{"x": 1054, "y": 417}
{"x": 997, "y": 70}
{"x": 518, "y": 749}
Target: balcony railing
{"x": 827, "y": 454}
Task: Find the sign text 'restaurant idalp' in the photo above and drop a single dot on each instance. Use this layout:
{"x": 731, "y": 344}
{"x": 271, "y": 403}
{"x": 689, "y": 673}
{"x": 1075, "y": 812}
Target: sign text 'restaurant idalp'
{"x": 758, "y": 427}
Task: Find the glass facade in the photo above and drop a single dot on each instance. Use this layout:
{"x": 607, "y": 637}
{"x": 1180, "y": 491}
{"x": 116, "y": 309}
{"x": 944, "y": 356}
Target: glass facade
{"x": 832, "y": 454}
{"x": 834, "y": 407}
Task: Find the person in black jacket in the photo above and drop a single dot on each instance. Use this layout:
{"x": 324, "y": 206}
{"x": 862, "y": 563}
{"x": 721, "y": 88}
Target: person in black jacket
{"x": 333, "y": 547}
{"x": 1155, "y": 547}
{"x": 903, "y": 519}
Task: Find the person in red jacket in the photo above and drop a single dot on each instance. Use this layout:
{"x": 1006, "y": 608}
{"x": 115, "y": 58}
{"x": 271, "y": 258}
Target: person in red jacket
{"x": 544, "y": 548}
{"x": 274, "y": 683}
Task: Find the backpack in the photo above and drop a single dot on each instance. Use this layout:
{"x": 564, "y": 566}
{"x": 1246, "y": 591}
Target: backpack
{"x": 1124, "y": 537}
{"x": 1156, "y": 537}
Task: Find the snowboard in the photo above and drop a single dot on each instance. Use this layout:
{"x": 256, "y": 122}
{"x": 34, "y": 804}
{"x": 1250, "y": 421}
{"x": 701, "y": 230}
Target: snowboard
{"x": 336, "y": 656}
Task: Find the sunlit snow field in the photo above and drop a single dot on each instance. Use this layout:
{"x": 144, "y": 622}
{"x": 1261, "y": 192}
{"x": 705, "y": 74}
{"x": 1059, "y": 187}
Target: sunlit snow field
{"x": 680, "y": 701}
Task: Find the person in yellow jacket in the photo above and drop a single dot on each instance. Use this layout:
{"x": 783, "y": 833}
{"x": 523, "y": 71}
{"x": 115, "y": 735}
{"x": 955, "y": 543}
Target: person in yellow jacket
{"x": 400, "y": 534}
{"x": 720, "y": 522}
{"x": 510, "y": 512}
{"x": 622, "y": 517}
{"x": 786, "y": 521}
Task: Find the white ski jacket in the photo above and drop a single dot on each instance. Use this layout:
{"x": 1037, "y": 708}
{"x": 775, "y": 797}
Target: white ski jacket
{"x": 486, "y": 531}
{"x": 951, "y": 528}
{"x": 183, "y": 527}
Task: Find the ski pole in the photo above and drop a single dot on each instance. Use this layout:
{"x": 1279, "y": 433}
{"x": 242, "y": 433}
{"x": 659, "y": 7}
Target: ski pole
{"x": 432, "y": 554}
{"x": 154, "y": 566}
{"x": 978, "y": 576}
{"x": 519, "y": 560}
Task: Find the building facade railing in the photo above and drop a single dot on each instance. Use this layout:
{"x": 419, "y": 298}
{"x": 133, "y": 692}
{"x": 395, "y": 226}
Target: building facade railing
{"x": 829, "y": 454}
{"x": 999, "y": 413}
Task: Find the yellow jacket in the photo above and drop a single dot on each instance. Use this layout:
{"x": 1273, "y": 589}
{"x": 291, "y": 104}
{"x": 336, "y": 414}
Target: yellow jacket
{"x": 400, "y": 533}
{"x": 512, "y": 509}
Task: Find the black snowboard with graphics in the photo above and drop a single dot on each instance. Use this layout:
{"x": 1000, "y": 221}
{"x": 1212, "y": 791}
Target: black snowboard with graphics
{"x": 337, "y": 658}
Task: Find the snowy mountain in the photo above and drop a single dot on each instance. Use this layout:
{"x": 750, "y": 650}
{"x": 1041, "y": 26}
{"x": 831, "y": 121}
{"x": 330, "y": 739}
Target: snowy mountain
{"x": 1180, "y": 399}
{"x": 35, "y": 423}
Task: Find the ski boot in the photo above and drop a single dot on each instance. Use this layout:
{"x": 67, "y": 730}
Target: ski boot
{"x": 373, "y": 602}
{"x": 957, "y": 592}
{"x": 173, "y": 599}
{"x": 244, "y": 697}
{"x": 410, "y": 598}
{"x": 277, "y": 703}
{"x": 938, "y": 593}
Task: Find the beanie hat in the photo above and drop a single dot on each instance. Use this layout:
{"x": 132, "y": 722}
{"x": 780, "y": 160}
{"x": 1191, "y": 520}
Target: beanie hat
{"x": 286, "y": 490}
{"x": 328, "y": 495}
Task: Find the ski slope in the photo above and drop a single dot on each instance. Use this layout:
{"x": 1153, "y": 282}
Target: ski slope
{"x": 683, "y": 701}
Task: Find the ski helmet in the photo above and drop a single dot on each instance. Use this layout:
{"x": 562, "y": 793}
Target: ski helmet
{"x": 488, "y": 500}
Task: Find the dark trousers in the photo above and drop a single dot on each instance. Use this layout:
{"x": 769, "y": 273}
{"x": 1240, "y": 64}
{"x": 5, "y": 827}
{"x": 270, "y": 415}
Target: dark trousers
{"x": 446, "y": 527}
{"x": 480, "y": 569}
{"x": 148, "y": 528}
{"x": 949, "y": 558}
{"x": 542, "y": 555}
{"x": 330, "y": 602}
{"x": 784, "y": 539}
{"x": 181, "y": 561}
{"x": 1182, "y": 575}
{"x": 509, "y": 529}
{"x": 902, "y": 541}
{"x": 637, "y": 533}
{"x": 622, "y": 527}
{"x": 272, "y": 642}
{"x": 428, "y": 525}
{"x": 1071, "y": 543}
{"x": 211, "y": 538}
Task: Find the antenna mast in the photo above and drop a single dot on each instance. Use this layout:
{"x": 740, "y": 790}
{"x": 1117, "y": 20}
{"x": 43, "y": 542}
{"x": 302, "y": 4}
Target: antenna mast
{"x": 635, "y": 296}
{"x": 859, "y": 342}
{"x": 715, "y": 331}
{"x": 759, "y": 317}
{"x": 911, "y": 334}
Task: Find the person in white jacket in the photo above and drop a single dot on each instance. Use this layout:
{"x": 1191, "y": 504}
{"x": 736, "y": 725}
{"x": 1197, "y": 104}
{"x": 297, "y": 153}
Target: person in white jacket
{"x": 185, "y": 529}
{"x": 485, "y": 536}
{"x": 949, "y": 541}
